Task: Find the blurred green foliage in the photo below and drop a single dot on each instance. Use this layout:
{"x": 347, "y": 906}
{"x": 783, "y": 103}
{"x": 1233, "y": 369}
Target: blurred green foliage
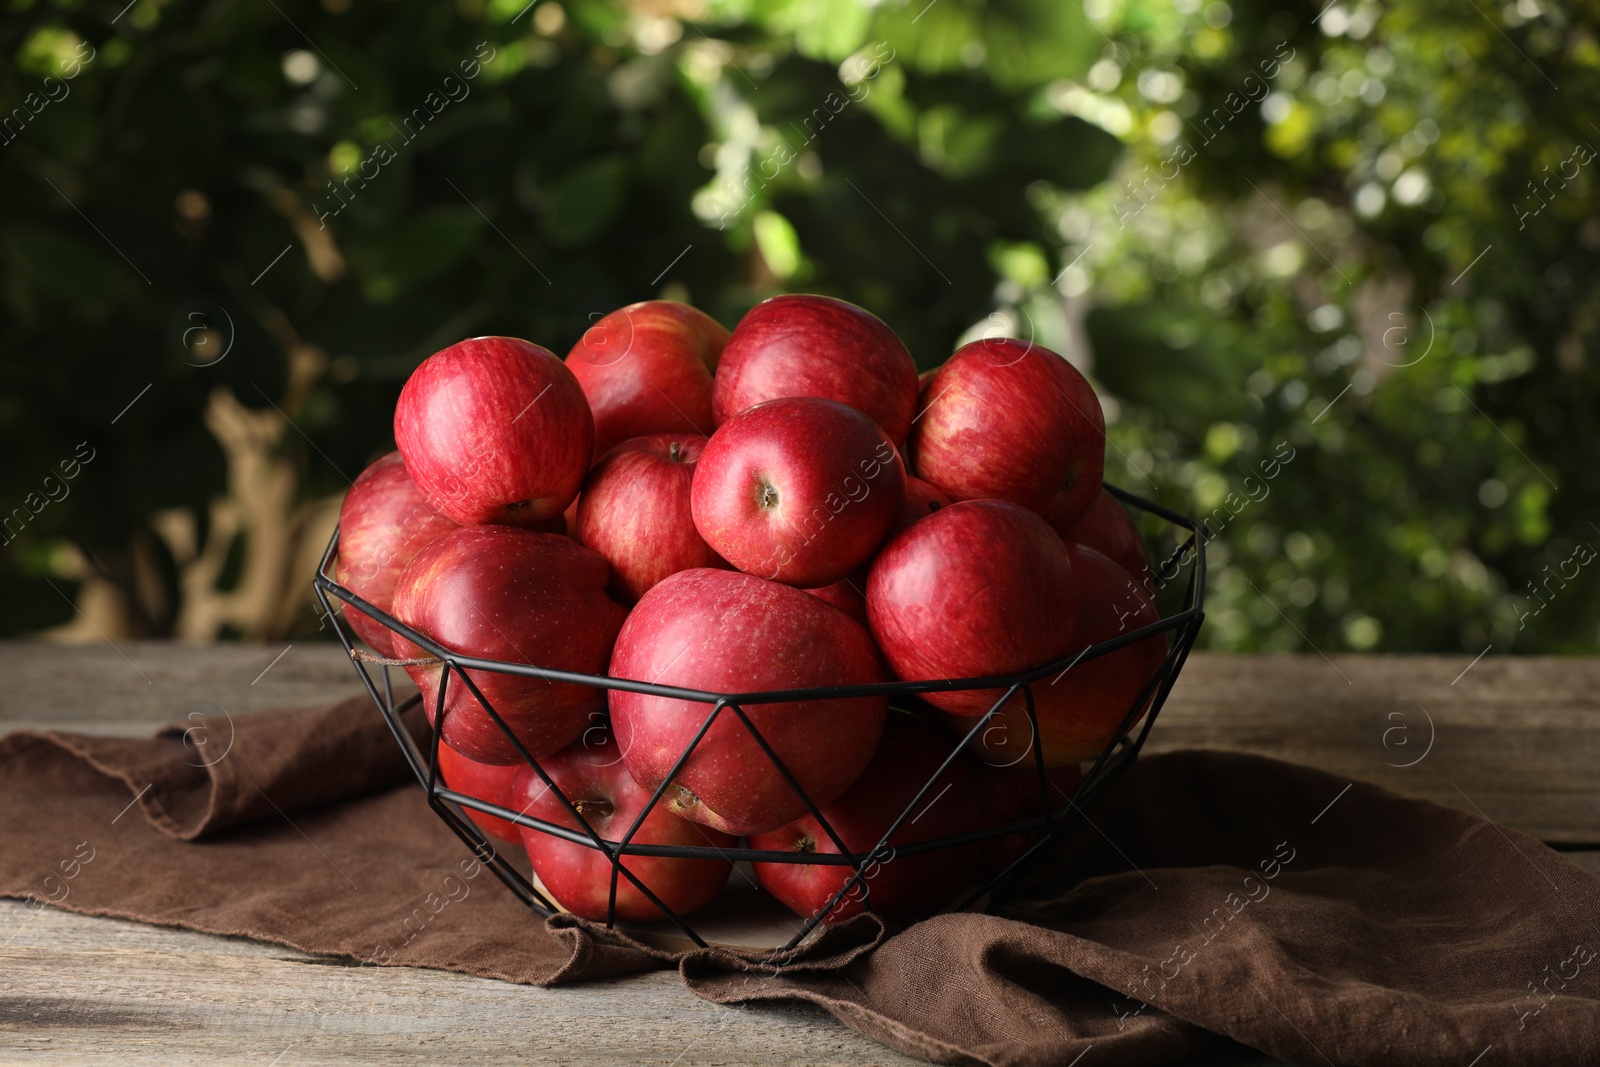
{"x": 1235, "y": 215}
{"x": 1359, "y": 224}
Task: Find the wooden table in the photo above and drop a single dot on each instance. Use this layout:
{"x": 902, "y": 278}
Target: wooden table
{"x": 1514, "y": 739}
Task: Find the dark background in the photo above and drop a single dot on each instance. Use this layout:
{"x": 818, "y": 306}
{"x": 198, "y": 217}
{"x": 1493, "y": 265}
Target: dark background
{"x": 1231, "y": 215}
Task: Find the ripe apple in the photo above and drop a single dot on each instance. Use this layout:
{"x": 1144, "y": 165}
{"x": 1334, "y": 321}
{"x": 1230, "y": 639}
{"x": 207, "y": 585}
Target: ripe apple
{"x": 800, "y": 345}
{"x": 1106, "y": 527}
{"x": 487, "y": 781}
{"x": 590, "y": 774}
{"x": 1010, "y": 792}
{"x": 495, "y": 430}
{"x": 498, "y": 592}
{"x": 848, "y": 594}
{"x": 1011, "y": 420}
{"x": 383, "y": 522}
{"x": 1080, "y": 709}
{"x": 647, "y": 369}
{"x": 799, "y": 490}
{"x": 900, "y": 887}
{"x": 979, "y": 588}
{"x": 725, "y": 632}
{"x": 634, "y": 511}
{"x": 922, "y": 499}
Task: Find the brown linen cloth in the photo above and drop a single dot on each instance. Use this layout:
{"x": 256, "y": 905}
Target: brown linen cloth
{"x": 1214, "y": 893}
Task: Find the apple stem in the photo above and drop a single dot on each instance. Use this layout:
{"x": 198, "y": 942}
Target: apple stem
{"x": 766, "y": 494}
{"x": 372, "y": 657}
{"x": 675, "y": 451}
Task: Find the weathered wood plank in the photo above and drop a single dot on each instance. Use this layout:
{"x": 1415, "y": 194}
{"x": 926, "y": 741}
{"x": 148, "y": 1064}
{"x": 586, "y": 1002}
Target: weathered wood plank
{"x": 135, "y": 686}
{"x": 100, "y": 990}
{"x": 1588, "y": 859}
{"x": 1515, "y": 738}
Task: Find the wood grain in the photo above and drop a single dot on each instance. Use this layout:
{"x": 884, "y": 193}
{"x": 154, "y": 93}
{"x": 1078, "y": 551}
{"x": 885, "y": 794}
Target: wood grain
{"x": 1516, "y": 739}
{"x": 104, "y": 991}
{"x": 134, "y": 687}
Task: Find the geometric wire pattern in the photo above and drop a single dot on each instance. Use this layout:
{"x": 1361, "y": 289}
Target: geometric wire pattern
{"x": 1180, "y": 630}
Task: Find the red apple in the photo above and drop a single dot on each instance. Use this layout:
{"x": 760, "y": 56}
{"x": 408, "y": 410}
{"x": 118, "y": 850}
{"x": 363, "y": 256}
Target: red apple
{"x": 798, "y": 490}
{"x": 899, "y": 887}
{"x": 725, "y": 632}
{"x": 1080, "y": 709}
{"x": 979, "y": 588}
{"x": 817, "y": 346}
{"x": 1011, "y": 420}
{"x": 497, "y": 592}
{"x": 591, "y": 776}
{"x": 922, "y": 499}
{"x": 495, "y": 430}
{"x": 634, "y": 511}
{"x": 383, "y": 522}
{"x": 1010, "y": 792}
{"x": 647, "y": 369}
{"x": 489, "y": 782}
{"x": 1107, "y": 528}
{"x": 848, "y": 594}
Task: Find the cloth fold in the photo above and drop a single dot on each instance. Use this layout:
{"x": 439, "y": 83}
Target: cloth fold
{"x": 1209, "y": 896}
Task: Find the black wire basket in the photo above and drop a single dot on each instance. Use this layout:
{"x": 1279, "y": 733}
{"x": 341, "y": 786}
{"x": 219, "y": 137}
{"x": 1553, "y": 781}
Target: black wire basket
{"x": 1179, "y": 629}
